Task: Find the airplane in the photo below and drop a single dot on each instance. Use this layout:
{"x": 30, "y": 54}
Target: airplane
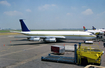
{"x": 53, "y": 36}
{"x": 103, "y": 29}
{"x": 93, "y": 28}
{"x": 94, "y": 31}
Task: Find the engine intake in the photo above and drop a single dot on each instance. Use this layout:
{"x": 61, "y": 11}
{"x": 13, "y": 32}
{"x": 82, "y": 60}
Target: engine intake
{"x": 34, "y": 39}
{"x": 50, "y": 40}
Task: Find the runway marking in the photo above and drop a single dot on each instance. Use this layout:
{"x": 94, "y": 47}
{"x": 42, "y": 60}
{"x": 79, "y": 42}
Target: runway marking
{"x": 10, "y": 36}
{"x": 27, "y": 60}
{"x": 6, "y": 36}
{"x": 20, "y": 51}
{"x": 3, "y": 50}
{"x": 6, "y": 49}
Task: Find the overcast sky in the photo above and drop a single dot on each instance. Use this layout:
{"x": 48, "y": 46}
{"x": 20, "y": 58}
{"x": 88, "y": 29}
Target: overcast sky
{"x": 52, "y": 14}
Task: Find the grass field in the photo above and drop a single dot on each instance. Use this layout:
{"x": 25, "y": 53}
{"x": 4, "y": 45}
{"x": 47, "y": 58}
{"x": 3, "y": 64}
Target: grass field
{"x": 6, "y": 32}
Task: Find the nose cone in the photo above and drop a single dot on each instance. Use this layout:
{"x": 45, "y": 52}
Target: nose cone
{"x": 101, "y": 32}
{"x": 93, "y": 36}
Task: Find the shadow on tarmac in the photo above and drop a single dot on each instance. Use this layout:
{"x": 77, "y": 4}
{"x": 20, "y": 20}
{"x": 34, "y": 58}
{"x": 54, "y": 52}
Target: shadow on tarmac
{"x": 36, "y": 43}
{"x": 60, "y": 41}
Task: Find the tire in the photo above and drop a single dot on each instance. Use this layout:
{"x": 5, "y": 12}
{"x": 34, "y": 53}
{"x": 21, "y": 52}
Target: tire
{"x": 84, "y": 61}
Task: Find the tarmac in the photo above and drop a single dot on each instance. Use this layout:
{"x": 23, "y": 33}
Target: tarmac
{"x": 20, "y": 53}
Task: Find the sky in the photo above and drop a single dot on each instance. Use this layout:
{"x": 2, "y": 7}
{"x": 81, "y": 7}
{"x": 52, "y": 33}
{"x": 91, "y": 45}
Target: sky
{"x": 52, "y": 14}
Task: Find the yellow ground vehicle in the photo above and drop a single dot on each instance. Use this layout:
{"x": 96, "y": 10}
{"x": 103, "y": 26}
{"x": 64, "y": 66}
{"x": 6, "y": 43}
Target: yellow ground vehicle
{"x": 88, "y": 54}
{"x": 82, "y": 55}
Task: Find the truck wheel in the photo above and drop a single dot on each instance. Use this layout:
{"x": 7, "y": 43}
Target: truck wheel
{"x": 84, "y": 61}
{"x": 99, "y": 64}
{"x": 28, "y": 39}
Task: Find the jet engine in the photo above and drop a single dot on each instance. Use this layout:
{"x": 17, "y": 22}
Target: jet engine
{"x": 34, "y": 39}
{"x": 50, "y": 40}
{"x": 99, "y": 37}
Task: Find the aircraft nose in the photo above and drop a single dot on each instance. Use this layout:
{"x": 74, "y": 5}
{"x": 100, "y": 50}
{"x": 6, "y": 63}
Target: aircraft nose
{"x": 102, "y": 32}
{"x": 94, "y": 36}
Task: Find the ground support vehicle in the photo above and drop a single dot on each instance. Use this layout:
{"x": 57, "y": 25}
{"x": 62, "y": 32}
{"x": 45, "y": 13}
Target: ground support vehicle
{"x": 86, "y": 55}
{"x": 83, "y": 55}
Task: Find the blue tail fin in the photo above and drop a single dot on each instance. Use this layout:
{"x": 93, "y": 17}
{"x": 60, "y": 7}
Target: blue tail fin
{"x": 93, "y": 28}
{"x": 23, "y": 26}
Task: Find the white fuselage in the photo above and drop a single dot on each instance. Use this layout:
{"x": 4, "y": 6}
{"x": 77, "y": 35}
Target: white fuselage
{"x": 74, "y": 35}
{"x": 103, "y": 30}
{"x": 95, "y": 31}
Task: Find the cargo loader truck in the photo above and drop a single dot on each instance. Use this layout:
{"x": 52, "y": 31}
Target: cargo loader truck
{"x": 82, "y": 55}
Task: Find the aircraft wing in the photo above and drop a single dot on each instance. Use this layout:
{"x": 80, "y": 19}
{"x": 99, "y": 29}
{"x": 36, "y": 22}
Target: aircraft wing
{"x": 44, "y": 38}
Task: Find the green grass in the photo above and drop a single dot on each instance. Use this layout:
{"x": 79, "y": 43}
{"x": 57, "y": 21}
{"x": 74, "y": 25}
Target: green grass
{"x": 4, "y": 31}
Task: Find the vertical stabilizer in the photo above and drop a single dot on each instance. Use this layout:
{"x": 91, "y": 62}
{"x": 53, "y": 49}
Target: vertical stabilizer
{"x": 93, "y": 28}
{"x": 84, "y": 28}
{"x": 23, "y": 26}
